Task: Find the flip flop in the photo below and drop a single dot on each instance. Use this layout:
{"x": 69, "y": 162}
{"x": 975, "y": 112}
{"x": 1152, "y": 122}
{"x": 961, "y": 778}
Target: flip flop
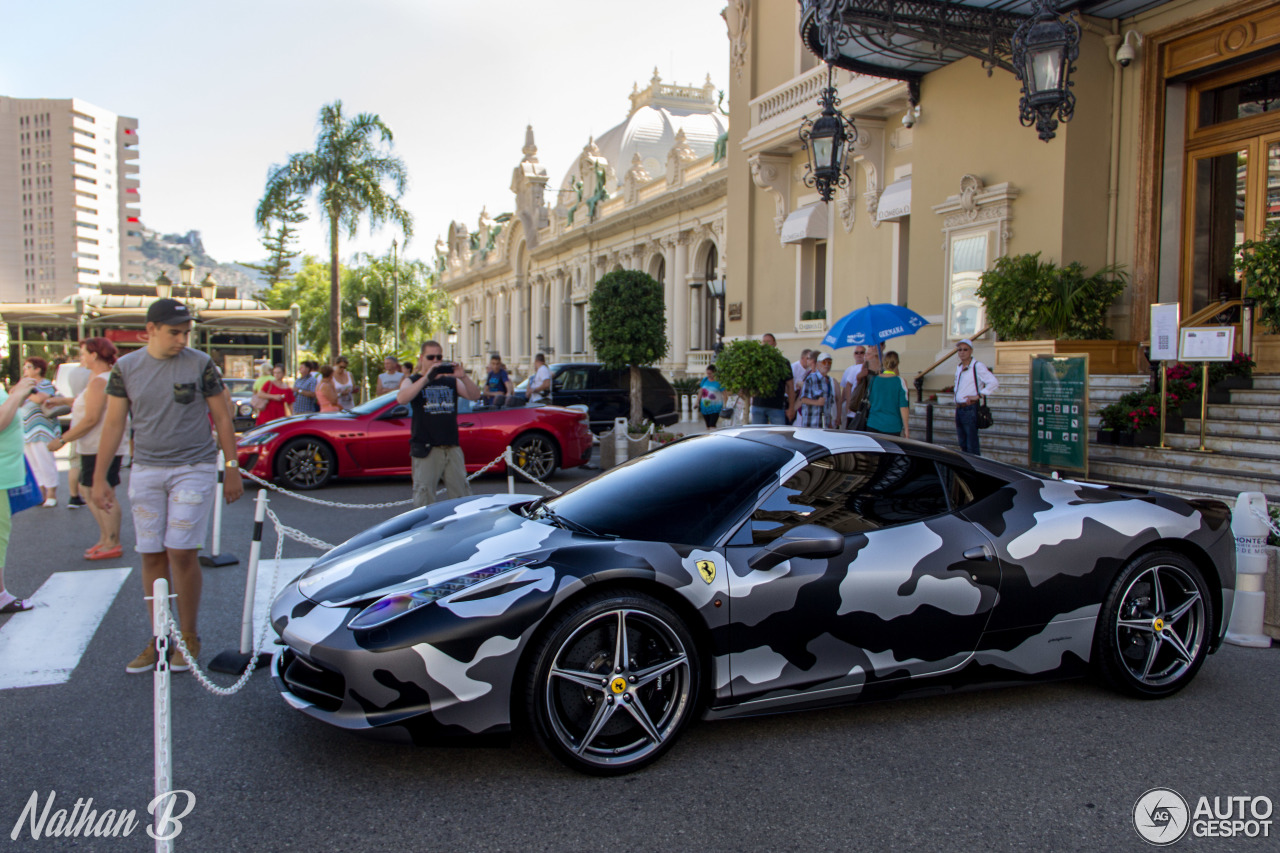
{"x": 18, "y": 605}
{"x": 89, "y": 552}
{"x": 107, "y": 553}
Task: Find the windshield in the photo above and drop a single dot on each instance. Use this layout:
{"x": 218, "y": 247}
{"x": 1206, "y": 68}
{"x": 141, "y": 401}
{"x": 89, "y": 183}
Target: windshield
{"x": 690, "y": 493}
{"x": 239, "y": 386}
{"x": 375, "y": 404}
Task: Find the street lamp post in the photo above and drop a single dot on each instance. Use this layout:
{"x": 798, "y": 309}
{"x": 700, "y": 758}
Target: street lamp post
{"x": 716, "y": 287}
{"x": 362, "y": 311}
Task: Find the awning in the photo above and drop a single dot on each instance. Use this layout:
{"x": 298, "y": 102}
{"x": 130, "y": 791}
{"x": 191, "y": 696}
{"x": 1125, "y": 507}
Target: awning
{"x": 895, "y": 201}
{"x": 807, "y": 223}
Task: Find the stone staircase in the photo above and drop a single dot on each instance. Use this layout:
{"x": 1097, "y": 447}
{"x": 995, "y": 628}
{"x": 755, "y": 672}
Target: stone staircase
{"x": 1243, "y": 435}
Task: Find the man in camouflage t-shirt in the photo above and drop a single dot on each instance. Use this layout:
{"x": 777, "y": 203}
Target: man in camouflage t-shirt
{"x": 170, "y": 391}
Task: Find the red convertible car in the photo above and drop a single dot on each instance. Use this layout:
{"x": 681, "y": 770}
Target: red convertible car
{"x": 372, "y": 440}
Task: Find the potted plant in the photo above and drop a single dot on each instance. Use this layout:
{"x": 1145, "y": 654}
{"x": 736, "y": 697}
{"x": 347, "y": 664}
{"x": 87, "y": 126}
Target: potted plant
{"x": 751, "y": 369}
{"x": 1258, "y": 262}
{"x": 1036, "y": 307}
{"x": 1234, "y": 375}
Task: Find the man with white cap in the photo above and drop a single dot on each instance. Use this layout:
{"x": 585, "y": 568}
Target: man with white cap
{"x": 973, "y": 380}
{"x": 817, "y": 403}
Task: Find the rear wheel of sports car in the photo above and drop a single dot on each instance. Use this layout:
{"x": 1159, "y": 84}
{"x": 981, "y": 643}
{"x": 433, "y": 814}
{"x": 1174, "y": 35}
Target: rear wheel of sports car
{"x": 613, "y": 682}
{"x": 305, "y": 463}
{"x": 536, "y": 454}
{"x": 1153, "y": 632}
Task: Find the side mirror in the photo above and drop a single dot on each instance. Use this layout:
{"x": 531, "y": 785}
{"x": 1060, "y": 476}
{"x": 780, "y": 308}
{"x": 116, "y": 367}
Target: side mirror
{"x": 806, "y": 540}
{"x": 395, "y": 412}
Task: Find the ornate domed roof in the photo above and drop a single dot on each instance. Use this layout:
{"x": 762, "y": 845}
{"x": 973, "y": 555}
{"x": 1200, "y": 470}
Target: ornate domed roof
{"x": 658, "y": 113}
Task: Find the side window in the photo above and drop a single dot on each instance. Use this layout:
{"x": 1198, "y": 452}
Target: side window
{"x": 572, "y": 379}
{"x": 966, "y": 487}
{"x": 852, "y": 493}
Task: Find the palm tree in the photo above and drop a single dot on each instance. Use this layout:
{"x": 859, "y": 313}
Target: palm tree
{"x": 347, "y": 170}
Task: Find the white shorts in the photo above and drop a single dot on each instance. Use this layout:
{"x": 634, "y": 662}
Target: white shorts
{"x": 172, "y": 505}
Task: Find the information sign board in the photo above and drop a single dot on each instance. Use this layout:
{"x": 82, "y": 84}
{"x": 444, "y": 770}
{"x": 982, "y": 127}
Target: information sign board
{"x": 1165, "y": 317}
{"x": 1207, "y": 343}
{"x": 1058, "y": 427}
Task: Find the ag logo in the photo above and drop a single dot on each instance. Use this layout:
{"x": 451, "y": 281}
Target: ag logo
{"x": 707, "y": 569}
{"x": 1161, "y": 816}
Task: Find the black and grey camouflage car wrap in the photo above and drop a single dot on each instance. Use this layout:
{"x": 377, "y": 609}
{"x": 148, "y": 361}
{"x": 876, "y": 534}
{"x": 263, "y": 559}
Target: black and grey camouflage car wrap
{"x": 1006, "y": 586}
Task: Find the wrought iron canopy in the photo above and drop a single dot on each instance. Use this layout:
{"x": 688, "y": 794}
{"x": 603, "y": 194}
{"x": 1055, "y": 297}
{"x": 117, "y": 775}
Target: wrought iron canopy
{"x": 906, "y": 39}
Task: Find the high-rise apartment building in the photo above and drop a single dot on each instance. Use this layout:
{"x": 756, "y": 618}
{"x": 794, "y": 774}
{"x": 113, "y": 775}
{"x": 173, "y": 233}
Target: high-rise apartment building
{"x": 68, "y": 198}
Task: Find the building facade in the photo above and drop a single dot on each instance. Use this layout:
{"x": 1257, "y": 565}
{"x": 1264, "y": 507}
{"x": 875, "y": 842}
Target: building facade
{"x": 649, "y": 194}
{"x": 1172, "y": 159}
{"x": 69, "y": 196}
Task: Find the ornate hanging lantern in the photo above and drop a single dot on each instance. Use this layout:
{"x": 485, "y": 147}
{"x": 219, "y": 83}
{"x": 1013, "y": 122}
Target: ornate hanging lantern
{"x": 1045, "y": 48}
{"x": 827, "y": 142}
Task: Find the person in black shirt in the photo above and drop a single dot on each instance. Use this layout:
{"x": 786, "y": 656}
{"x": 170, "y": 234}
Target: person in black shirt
{"x": 432, "y": 396}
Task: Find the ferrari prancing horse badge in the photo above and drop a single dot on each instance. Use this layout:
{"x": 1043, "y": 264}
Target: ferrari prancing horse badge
{"x": 707, "y": 569}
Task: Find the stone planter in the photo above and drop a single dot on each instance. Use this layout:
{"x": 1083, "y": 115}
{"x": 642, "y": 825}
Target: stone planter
{"x": 1233, "y": 383}
{"x": 1106, "y": 436}
{"x": 1191, "y": 408}
{"x": 1105, "y": 357}
{"x": 1271, "y": 585}
{"x": 1266, "y": 354}
{"x": 1139, "y": 438}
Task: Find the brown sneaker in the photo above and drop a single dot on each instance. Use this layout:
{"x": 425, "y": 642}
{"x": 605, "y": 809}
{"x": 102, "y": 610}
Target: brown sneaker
{"x": 178, "y": 663}
{"x": 144, "y": 662}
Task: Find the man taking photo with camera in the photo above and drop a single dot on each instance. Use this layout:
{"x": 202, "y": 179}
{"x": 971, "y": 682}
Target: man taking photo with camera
{"x": 432, "y": 395}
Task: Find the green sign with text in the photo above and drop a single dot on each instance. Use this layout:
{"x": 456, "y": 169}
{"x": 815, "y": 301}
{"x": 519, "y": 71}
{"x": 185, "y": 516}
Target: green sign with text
{"x": 1059, "y": 422}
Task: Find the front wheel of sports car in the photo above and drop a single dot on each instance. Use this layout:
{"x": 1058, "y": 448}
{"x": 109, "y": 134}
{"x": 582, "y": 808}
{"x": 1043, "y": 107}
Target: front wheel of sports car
{"x": 1153, "y": 631}
{"x": 613, "y": 682}
{"x": 305, "y": 463}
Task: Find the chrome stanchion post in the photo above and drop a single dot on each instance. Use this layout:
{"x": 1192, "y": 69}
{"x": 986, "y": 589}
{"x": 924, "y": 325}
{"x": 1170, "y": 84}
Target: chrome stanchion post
{"x": 217, "y": 558}
{"x": 511, "y": 474}
{"x": 1204, "y": 403}
{"x": 160, "y": 682}
{"x": 233, "y": 662}
{"x": 1164, "y": 402}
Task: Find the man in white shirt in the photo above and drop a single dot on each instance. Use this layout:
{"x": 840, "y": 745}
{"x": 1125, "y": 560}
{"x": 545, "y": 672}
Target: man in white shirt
{"x": 973, "y": 380}
{"x": 391, "y": 377}
{"x": 540, "y": 384}
{"x": 799, "y": 370}
{"x": 850, "y": 379}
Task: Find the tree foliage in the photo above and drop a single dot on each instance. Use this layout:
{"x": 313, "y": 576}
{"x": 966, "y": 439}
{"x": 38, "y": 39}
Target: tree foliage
{"x": 1028, "y": 299}
{"x": 628, "y": 326}
{"x": 1259, "y": 262}
{"x": 751, "y": 368}
{"x": 346, "y": 171}
{"x": 424, "y": 310}
{"x": 279, "y": 243}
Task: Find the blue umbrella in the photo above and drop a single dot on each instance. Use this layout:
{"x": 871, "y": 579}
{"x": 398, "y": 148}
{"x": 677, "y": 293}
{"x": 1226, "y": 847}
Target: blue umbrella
{"x": 873, "y": 325}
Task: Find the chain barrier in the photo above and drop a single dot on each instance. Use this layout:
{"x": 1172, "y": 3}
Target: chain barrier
{"x": 534, "y": 479}
{"x": 1268, "y": 520}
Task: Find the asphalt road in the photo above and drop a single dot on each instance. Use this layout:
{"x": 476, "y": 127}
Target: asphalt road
{"x": 1054, "y": 767}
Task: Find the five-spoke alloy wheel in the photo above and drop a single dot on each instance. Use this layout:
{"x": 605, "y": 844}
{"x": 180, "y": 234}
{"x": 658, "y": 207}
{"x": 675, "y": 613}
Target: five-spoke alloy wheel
{"x": 305, "y": 463}
{"x": 1153, "y": 632}
{"x": 535, "y": 454}
{"x": 614, "y": 681}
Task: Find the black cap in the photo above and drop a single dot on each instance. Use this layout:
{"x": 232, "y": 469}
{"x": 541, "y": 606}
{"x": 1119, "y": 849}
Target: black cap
{"x": 168, "y": 312}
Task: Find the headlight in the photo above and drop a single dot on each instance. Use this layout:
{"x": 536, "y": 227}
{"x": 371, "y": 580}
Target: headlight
{"x": 256, "y": 439}
{"x": 392, "y": 607}
{"x": 246, "y": 410}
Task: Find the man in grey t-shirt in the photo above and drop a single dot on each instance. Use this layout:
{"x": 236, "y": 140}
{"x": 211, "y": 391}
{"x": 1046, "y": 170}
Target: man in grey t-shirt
{"x": 171, "y": 391}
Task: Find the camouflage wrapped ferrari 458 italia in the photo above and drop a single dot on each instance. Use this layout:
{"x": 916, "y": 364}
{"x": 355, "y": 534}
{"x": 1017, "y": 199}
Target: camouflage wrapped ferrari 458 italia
{"x": 743, "y": 572}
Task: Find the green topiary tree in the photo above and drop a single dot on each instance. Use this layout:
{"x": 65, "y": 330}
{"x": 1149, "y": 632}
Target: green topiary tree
{"x": 751, "y": 368}
{"x": 628, "y": 326}
{"x": 1027, "y": 298}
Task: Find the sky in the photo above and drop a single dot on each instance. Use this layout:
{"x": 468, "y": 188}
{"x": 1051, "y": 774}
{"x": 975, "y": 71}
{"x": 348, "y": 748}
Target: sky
{"x": 223, "y": 90}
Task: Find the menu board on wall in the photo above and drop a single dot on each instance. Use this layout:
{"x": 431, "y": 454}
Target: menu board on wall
{"x": 1058, "y": 427}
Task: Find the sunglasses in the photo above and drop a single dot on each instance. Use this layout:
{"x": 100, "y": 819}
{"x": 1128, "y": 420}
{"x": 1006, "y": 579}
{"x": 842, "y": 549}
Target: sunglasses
{"x": 859, "y": 352}
{"x": 432, "y": 357}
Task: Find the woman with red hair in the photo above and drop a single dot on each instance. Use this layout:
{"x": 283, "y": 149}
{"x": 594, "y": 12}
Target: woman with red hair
{"x": 97, "y": 354}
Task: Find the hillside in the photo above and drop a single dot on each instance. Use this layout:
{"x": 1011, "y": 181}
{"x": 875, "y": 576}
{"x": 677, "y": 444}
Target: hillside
{"x": 163, "y": 253}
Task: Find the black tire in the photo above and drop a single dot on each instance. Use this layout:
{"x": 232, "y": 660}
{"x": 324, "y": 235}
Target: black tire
{"x": 601, "y": 718}
{"x": 306, "y": 463}
{"x": 536, "y": 453}
{"x": 1154, "y": 628}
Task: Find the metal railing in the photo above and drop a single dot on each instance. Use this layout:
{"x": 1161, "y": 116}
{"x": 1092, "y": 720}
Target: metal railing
{"x": 919, "y": 380}
{"x": 1220, "y": 313}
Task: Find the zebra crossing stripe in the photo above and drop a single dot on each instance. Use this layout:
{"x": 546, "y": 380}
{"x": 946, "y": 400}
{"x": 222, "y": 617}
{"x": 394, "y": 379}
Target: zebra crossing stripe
{"x": 45, "y": 644}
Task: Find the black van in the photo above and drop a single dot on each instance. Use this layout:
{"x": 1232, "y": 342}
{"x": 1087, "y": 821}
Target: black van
{"x": 607, "y": 393}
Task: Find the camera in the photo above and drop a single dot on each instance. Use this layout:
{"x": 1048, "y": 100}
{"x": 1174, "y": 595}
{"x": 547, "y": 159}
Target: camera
{"x": 1124, "y": 55}
{"x": 444, "y": 368}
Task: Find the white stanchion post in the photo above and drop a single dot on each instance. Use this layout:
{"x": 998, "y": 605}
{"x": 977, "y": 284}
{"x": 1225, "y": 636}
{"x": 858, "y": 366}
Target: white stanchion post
{"x": 217, "y": 558}
{"x": 163, "y": 754}
{"x": 511, "y": 474}
{"x": 620, "y": 441}
{"x": 1249, "y": 602}
{"x": 251, "y": 575}
{"x": 685, "y": 406}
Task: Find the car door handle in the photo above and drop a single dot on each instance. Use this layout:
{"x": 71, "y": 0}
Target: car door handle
{"x": 467, "y": 423}
{"x": 982, "y": 552}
